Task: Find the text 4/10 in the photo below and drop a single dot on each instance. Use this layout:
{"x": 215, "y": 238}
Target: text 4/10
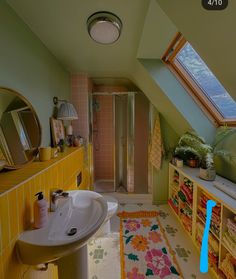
{"x": 215, "y": 2}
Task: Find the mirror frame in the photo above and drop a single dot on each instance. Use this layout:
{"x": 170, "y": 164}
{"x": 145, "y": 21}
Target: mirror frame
{"x": 23, "y": 98}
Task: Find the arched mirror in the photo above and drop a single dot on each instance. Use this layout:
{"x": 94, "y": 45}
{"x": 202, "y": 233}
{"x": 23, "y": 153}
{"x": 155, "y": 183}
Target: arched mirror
{"x": 20, "y": 131}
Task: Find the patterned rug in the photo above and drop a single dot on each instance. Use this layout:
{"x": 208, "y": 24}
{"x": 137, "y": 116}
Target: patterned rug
{"x": 144, "y": 248}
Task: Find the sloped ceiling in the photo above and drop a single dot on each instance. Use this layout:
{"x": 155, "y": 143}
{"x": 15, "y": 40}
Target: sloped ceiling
{"x": 61, "y": 26}
{"x": 212, "y": 34}
{"x": 158, "y": 32}
{"x": 147, "y": 31}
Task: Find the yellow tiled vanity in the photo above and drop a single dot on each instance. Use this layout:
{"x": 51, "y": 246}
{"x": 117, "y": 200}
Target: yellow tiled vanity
{"x": 17, "y": 190}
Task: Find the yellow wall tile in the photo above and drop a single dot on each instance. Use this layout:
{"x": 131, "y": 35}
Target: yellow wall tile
{"x": 12, "y": 268}
{"x": 4, "y": 217}
{"x": 21, "y": 206}
{"x": 48, "y": 184}
{"x": 1, "y": 267}
{"x": 27, "y": 206}
{"x": 55, "y": 273}
{"x": 18, "y": 204}
{"x": 13, "y": 214}
{"x": 6, "y": 262}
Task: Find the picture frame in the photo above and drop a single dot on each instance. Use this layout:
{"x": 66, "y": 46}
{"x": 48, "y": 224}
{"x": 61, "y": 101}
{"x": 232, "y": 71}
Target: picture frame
{"x": 57, "y": 130}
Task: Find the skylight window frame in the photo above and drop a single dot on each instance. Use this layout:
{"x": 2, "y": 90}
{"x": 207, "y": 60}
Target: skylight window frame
{"x": 205, "y": 103}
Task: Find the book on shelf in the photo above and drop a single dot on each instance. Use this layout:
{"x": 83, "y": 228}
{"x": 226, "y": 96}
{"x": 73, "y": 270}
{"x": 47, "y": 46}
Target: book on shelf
{"x": 228, "y": 266}
{"x": 213, "y": 245}
{"x": 229, "y": 236}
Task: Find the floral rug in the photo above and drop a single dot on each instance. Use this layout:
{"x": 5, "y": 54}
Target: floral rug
{"x": 145, "y": 251}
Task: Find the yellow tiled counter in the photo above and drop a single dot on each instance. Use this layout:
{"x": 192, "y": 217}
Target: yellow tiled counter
{"x": 17, "y": 190}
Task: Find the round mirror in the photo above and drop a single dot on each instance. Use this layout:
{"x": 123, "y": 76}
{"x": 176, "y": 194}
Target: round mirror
{"x": 20, "y": 131}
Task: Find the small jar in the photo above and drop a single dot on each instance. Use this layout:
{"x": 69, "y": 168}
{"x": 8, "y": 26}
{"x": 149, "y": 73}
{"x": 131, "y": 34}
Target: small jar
{"x": 193, "y": 163}
{"x": 179, "y": 163}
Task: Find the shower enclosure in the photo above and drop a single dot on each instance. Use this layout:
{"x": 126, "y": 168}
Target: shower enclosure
{"x": 120, "y": 136}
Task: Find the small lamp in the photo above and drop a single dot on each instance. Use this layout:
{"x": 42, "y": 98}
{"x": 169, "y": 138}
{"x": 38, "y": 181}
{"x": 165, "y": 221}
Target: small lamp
{"x": 66, "y": 111}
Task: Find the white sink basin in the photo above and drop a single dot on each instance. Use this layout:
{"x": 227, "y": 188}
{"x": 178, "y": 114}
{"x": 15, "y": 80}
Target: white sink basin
{"x": 81, "y": 214}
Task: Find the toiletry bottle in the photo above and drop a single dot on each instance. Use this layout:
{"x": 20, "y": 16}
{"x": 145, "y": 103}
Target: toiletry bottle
{"x": 40, "y": 211}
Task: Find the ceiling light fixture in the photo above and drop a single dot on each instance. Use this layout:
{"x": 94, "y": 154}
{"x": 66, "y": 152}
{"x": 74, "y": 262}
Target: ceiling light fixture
{"x": 104, "y": 27}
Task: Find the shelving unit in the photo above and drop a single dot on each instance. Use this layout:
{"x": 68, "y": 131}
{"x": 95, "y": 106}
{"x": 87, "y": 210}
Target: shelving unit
{"x": 186, "y": 203}
{"x": 174, "y": 189}
{"x": 188, "y": 195}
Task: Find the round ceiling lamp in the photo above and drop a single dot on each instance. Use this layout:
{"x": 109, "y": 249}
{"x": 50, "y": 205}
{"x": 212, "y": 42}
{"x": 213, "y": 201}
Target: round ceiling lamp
{"x": 104, "y": 27}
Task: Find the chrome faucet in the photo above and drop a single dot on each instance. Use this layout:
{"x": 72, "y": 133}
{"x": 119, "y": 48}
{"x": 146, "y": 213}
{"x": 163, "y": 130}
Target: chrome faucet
{"x": 55, "y": 195}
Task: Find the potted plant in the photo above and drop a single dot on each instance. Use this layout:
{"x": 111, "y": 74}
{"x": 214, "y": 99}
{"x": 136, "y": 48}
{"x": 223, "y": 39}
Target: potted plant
{"x": 207, "y": 169}
{"x": 189, "y": 155}
{"x": 193, "y": 150}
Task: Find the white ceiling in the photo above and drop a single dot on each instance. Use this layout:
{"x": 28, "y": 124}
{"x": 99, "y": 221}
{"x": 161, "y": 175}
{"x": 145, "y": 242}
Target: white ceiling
{"x": 61, "y": 26}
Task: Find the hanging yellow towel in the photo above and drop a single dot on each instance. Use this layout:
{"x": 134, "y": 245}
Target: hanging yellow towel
{"x": 157, "y": 149}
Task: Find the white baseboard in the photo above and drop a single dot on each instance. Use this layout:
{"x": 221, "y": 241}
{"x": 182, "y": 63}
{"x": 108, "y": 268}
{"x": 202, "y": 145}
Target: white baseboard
{"x": 132, "y": 198}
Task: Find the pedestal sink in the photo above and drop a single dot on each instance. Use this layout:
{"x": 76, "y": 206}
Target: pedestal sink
{"x": 63, "y": 240}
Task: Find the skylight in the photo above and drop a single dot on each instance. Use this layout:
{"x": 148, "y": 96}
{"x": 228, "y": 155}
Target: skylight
{"x": 207, "y": 81}
{"x": 200, "y": 82}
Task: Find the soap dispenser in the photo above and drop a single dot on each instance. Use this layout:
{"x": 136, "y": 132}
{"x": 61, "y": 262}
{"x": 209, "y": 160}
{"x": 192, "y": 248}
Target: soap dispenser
{"x": 40, "y": 211}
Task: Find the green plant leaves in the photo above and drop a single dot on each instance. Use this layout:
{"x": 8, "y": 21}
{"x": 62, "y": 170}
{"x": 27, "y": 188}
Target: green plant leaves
{"x": 154, "y": 227}
{"x": 132, "y": 257}
{"x": 126, "y": 231}
{"x": 173, "y": 270}
{"x": 149, "y": 272}
{"x": 164, "y": 250}
{"x": 128, "y": 239}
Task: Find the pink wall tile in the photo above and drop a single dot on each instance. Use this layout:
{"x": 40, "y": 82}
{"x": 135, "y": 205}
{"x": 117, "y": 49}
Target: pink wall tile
{"x": 103, "y": 135}
{"x": 103, "y": 140}
{"x": 81, "y": 87}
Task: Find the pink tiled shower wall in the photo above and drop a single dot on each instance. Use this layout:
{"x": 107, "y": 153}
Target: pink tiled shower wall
{"x": 103, "y": 139}
{"x": 103, "y": 143}
{"x": 81, "y": 86}
{"x": 103, "y": 133}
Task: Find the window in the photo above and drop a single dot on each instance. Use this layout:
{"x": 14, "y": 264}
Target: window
{"x": 203, "y": 85}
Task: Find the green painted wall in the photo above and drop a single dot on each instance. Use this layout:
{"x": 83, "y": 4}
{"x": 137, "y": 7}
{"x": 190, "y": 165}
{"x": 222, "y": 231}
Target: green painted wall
{"x": 28, "y": 67}
{"x": 181, "y": 99}
{"x": 160, "y": 178}
{"x": 179, "y": 113}
{"x": 158, "y": 98}
{"x": 173, "y": 124}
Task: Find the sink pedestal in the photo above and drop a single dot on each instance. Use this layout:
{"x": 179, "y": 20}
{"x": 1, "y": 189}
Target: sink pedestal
{"x": 74, "y": 265}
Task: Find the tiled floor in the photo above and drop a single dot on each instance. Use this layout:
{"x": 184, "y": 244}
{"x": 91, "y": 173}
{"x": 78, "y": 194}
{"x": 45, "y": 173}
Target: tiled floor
{"x": 104, "y": 255}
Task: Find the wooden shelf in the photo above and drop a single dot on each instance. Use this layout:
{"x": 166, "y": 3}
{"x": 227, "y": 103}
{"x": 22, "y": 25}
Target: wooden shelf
{"x": 193, "y": 174}
{"x": 203, "y": 222}
{"x": 186, "y": 203}
{"x": 227, "y": 203}
{"x": 226, "y": 247}
{"x": 212, "y": 270}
